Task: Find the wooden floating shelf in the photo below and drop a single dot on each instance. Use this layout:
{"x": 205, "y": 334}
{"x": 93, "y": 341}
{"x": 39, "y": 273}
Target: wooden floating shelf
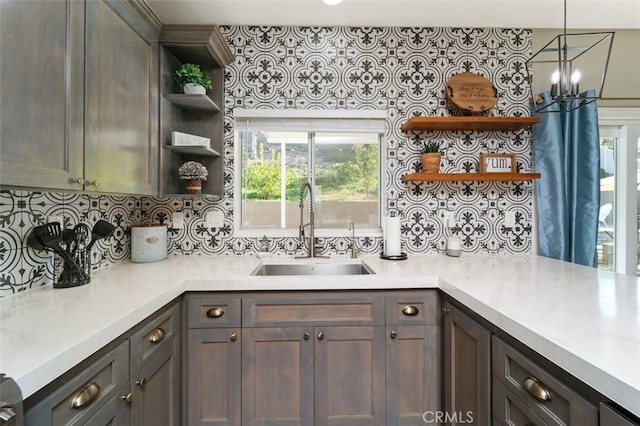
{"x": 467, "y": 177}
{"x": 195, "y": 150}
{"x": 194, "y": 102}
{"x": 469, "y": 123}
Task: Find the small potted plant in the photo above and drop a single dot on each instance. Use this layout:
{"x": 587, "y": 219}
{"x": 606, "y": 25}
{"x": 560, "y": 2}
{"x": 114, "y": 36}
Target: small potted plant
{"x": 194, "y": 173}
{"x": 430, "y": 157}
{"x": 192, "y": 79}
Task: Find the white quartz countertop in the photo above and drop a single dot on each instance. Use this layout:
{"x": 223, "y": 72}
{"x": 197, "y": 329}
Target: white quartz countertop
{"x": 584, "y": 320}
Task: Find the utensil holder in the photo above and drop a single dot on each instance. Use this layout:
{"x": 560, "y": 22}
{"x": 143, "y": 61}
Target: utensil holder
{"x": 69, "y": 275}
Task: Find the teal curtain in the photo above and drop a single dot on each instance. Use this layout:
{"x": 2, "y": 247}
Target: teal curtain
{"x": 566, "y": 154}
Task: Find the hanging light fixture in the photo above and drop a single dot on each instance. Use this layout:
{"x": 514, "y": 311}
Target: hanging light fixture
{"x": 570, "y": 61}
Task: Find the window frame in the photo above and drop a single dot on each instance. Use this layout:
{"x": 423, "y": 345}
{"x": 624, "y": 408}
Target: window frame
{"x": 627, "y": 121}
{"x": 341, "y": 117}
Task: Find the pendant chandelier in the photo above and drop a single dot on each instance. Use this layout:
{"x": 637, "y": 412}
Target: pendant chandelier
{"x": 567, "y": 63}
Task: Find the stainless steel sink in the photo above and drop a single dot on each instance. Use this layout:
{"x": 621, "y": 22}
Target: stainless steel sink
{"x": 313, "y": 269}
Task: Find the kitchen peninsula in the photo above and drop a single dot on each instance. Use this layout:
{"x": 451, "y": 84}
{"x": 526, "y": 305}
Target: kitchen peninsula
{"x": 585, "y": 321}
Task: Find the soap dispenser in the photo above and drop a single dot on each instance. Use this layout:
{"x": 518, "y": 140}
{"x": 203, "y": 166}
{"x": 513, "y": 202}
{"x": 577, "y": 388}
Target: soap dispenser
{"x": 454, "y": 246}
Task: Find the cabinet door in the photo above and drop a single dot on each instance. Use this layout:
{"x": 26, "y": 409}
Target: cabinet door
{"x": 121, "y": 105}
{"x": 277, "y": 376}
{"x": 41, "y": 93}
{"x": 413, "y": 374}
{"x": 214, "y": 377}
{"x": 349, "y": 375}
{"x": 156, "y": 389}
{"x": 114, "y": 413}
{"x": 467, "y": 367}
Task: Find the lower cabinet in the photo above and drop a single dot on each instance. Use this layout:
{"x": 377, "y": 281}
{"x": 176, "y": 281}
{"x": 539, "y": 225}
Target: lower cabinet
{"x": 539, "y": 393}
{"x": 330, "y": 376}
{"x": 213, "y": 383}
{"x": 412, "y": 374}
{"x": 114, "y": 413}
{"x": 467, "y": 369}
{"x": 312, "y": 359}
{"x": 136, "y": 382}
{"x": 155, "y": 389}
{"x": 87, "y": 392}
{"x": 155, "y": 371}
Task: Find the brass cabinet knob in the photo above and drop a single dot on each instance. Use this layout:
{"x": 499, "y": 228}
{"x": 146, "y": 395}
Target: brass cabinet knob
{"x": 410, "y": 310}
{"x": 86, "y": 395}
{"x": 446, "y": 310}
{"x": 393, "y": 334}
{"x": 306, "y": 336}
{"x": 320, "y": 335}
{"x": 233, "y": 337}
{"x": 95, "y": 183}
{"x": 215, "y": 313}
{"x": 157, "y": 336}
{"x": 79, "y": 181}
{"x": 141, "y": 382}
{"x": 128, "y": 397}
{"x": 536, "y": 389}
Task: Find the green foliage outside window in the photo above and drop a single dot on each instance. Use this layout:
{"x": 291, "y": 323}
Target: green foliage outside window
{"x": 348, "y": 175}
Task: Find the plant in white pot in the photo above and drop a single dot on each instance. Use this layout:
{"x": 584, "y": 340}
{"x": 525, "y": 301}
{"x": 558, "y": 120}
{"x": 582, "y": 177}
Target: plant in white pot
{"x": 194, "y": 173}
{"x": 192, "y": 79}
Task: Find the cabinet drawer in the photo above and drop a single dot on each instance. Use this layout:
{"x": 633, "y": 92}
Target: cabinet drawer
{"x": 311, "y": 309}
{"x": 508, "y": 409}
{"x": 154, "y": 336}
{"x": 412, "y": 309}
{"x": 557, "y": 403}
{"x": 209, "y": 311}
{"x": 85, "y": 393}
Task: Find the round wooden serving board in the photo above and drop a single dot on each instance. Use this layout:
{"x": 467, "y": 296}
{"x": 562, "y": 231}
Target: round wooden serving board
{"x": 471, "y": 92}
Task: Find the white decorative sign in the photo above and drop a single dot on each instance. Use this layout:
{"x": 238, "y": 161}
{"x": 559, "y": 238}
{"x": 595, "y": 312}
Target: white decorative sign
{"x": 497, "y": 163}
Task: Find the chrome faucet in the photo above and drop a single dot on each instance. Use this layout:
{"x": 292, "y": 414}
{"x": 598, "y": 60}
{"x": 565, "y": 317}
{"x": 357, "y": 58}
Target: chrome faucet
{"x": 354, "y": 252}
{"x": 311, "y": 223}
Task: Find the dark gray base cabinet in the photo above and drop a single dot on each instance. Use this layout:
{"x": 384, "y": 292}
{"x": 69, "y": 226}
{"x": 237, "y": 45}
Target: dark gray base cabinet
{"x": 467, "y": 369}
{"x": 330, "y": 376}
{"x": 136, "y": 382}
{"x": 315, "y": 358}
{"x": 213, "y": 377}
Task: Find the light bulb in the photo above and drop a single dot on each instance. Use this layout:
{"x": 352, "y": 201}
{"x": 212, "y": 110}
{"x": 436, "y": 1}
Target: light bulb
{"x": 575, "y": 82}
{"x": 576, "y": 76}
{"x": 555, "y": 77}
{"x": 332, "y": 2}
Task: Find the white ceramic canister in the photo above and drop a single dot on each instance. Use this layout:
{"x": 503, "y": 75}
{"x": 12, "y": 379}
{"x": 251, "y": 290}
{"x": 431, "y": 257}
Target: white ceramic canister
{"x": 148, "y": 243}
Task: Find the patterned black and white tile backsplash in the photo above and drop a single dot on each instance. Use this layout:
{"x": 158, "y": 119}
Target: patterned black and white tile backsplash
{"x": 400, "y": 70}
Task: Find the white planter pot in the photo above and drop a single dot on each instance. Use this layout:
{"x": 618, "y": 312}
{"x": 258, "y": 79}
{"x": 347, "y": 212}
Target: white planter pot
{"x": 194, "y": 89}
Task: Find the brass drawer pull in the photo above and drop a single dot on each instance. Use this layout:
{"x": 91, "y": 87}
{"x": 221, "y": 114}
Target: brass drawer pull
{"x": 536, "y": 389}
{"x": 320, "y": 335}
{"x": 86, "y": 395}
{"x": 215, "y": 312}
{"x": 410, "y": 310}
{"x": 446, "y": 310}
{"x": 393, "y": 334}
{"x": 141, "y": 382}
{"x": 306, "y": 336}
{"x": 233, "y": 336}
{"x": 128, "y": 397}
{"x": 157, "y": 336}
